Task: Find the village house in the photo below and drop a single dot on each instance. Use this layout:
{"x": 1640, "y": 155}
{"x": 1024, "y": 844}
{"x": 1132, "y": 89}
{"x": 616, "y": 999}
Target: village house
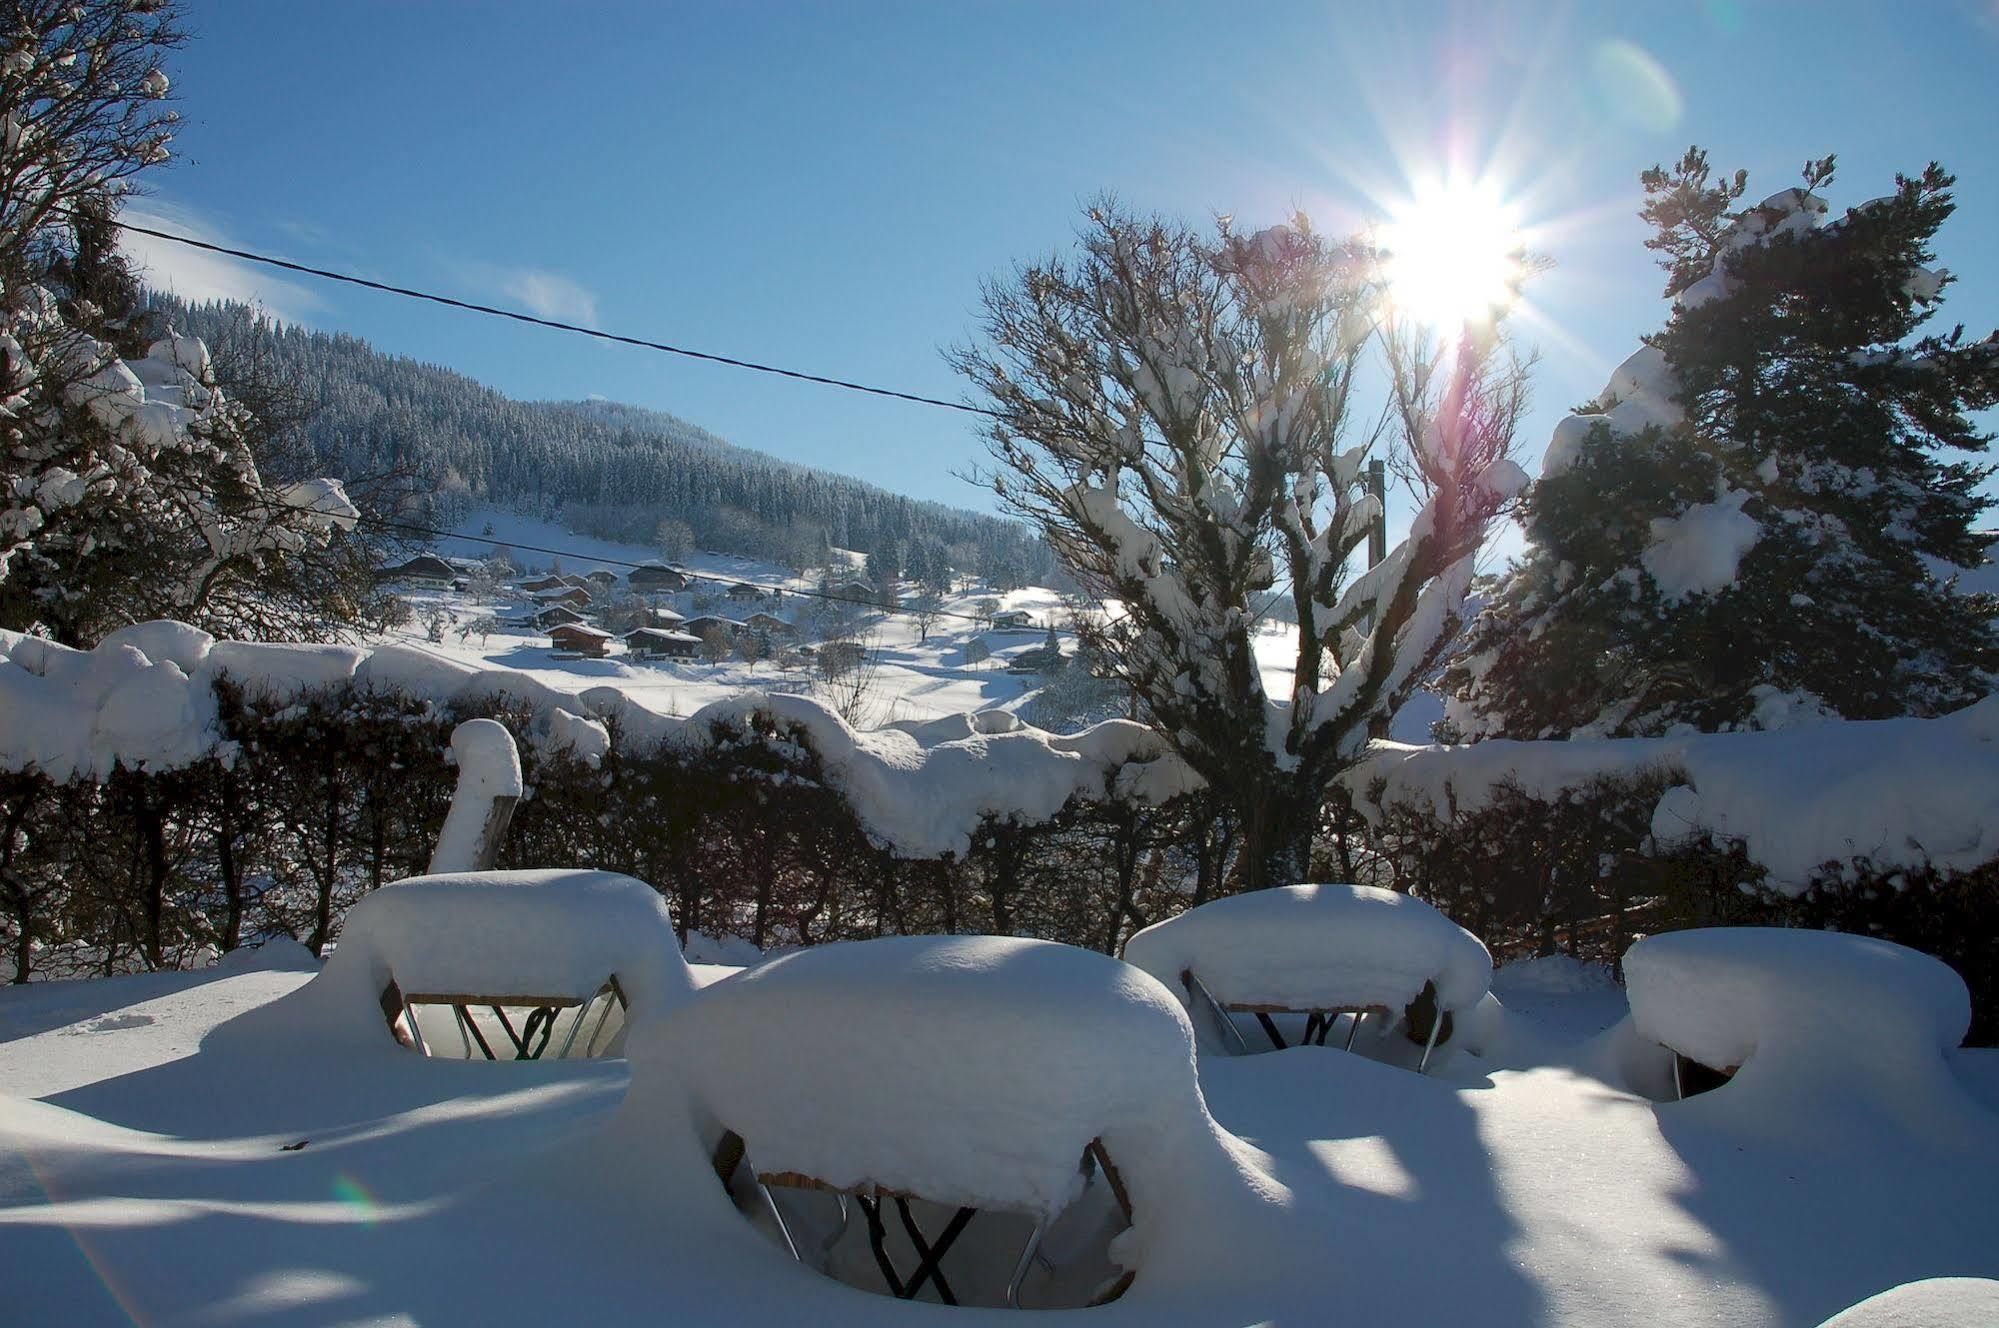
{"x": 745, "y": 593}
{"x": 580, "y": 639}
{"x": 573, "y": 596}
{"x": 661, "y": 616}
{"x": 601, "y": 577}
{"x": 656, "y": 578}
{"x": 426, "y": 570}
{"x": 1013, "y": 620}
{"x": 770, "y": 625}
{"x": 555, "y": 615}
{"x": 655, "y": 643}
{"x": 727, "y": 628}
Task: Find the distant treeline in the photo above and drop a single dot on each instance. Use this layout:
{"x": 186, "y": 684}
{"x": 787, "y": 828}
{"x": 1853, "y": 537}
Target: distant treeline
{"x": 601, "y": 468}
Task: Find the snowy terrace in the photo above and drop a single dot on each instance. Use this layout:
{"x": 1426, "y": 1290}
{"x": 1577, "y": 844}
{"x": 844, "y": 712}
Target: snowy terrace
{"x": 212, "y": 1148}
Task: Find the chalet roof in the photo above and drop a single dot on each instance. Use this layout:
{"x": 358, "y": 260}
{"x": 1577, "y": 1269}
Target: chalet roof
{"x": 659, "y": 636}
{"x": 582, "y": 630}
{"x": 424, "y": 564}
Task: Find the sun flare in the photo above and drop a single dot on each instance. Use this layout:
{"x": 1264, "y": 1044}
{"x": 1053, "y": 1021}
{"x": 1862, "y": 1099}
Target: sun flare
{"x": 1454, "y": 254}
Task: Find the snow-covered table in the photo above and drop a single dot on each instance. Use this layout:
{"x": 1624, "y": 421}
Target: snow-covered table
{"x": 975, "y": 1072}
{"x": 1323, "y": 951}
{"x": 466, "y": 947}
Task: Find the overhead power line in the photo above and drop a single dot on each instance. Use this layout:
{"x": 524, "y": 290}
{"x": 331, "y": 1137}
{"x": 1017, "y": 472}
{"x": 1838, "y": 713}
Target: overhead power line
{"x": 555, "y": 324}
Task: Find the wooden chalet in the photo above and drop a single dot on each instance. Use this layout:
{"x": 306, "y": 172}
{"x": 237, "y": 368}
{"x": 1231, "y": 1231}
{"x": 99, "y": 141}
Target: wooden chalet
{"x": 708, "y": 622}
{"x": 656, "y": 578}
{"x": 426, "y": 569}
{"x": 581, "y": 639}
{"x": 657, "y": 643}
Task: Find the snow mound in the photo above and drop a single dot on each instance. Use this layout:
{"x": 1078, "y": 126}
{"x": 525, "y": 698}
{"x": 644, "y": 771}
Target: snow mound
{"x": 1936, "y": 1302}
{"x": 1811, "y": 1018}
{"x": 512, "y": 933}
{"x": 489, "y": 768}
{"x": 1317, "y": 947}
{"x": 968, "y": 1070}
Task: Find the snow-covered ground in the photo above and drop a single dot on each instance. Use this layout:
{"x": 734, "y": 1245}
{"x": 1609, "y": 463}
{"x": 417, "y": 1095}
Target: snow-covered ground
{"x": 161, "y": 1165}
{"x": 918, "y": 675}
{"x": 914, "y": 678}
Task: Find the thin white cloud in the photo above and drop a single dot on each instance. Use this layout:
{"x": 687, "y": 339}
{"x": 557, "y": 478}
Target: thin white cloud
{"x": 197, "y": 274}
{"x": 549, "y": 294}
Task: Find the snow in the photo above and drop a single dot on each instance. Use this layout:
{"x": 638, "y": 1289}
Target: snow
{"x": 489, "y": 768}
{"x": 1936, "y": 1302}
{"x": 512, "y": 933}
{"x": 971, "y": 1070}
{"x": 1810, "y": 1019}
{"x": 1533, "y": 1186}
{"x": 1698, "y": 551}
{"x": 923, "y": 793}
{"x": 1316, "y": 947}
{"x": 1894, "y": 793}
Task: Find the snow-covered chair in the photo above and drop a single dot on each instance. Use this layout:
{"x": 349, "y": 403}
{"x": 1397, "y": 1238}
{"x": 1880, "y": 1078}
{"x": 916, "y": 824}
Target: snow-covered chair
{"x": 1321, "y": 951}
{"x": 434, "y": 960}
{"x": 982, "y": 1074}
{"x": 1803, "y": 1015}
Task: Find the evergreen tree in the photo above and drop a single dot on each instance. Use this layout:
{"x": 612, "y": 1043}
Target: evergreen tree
{"x": 1760, "y": 519}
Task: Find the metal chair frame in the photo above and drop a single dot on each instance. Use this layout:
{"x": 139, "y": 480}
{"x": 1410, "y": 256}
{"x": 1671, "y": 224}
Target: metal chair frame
{"x": 930, "y": 1254}
{"x": 1319, "y": 1020}
{"x": 529, "y": 1042}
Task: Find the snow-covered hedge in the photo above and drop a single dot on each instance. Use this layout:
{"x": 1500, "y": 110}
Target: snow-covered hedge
{"x": 144, "y": 699}
{"x": 1863, "y": 796}
{"x": 188, "y": 793}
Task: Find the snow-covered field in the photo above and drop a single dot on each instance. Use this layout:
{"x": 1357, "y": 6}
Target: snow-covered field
{"x": 161, "y": 1164}
{"x": 914, "y": 678}
{"x": 918, "y": 675}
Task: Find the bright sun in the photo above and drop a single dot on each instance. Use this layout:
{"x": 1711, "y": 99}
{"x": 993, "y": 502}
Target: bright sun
{"x": 1454, "y": 255}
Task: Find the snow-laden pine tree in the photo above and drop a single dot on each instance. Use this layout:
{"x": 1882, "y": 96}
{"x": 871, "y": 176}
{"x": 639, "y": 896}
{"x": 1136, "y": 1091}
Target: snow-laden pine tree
{"x": 128, "y": 489}
{"x": 1759, "y": 520}
{"x": 1174, "y": 412}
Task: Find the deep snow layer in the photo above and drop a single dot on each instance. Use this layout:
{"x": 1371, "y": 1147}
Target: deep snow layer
{"x": 166, "y": 1177}
{"x": 1317, "y": 947}
{"x": 145, "y": 698}
{"x": 1896, "y": 793}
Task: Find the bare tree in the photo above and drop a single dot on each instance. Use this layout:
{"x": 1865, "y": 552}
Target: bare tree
{"x": 1175, "y": 412}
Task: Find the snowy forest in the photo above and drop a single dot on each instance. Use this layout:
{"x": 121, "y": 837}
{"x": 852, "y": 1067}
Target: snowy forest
{"x": 1216, "y": 889}
{"x": 429, "y": 443}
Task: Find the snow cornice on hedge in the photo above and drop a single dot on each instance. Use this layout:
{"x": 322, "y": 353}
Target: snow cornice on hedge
{"x": 145, "y": 700}
{"x": 1892, "y": 794}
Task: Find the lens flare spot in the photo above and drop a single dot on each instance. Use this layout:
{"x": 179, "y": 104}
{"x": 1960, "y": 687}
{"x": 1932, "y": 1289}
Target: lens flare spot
{"x": 1634, "y": 87}
{"x": 358, "y": 1198}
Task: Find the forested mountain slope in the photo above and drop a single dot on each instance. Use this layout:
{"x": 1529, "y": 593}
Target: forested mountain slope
{"x": 602, "y": 468}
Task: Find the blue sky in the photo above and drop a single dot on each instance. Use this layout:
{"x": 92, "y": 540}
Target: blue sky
{"x": 825, "y": 185}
